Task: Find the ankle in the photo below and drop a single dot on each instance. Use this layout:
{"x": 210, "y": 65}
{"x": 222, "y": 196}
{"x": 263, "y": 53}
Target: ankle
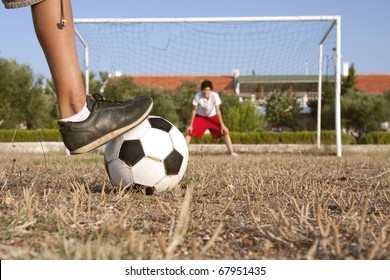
{"x": 78, "y": 117}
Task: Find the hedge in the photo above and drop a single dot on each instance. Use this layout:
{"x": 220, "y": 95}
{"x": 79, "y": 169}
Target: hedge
{"x": 302, "y": 137}
{"x": 376, "y": 137}
{"x": 22, "y": 135}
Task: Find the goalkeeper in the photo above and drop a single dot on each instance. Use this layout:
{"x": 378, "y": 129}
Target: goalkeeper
{"x": 206, "y": 115}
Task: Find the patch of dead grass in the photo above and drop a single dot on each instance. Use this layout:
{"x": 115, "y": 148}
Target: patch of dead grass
{"x": 252, "y": 207}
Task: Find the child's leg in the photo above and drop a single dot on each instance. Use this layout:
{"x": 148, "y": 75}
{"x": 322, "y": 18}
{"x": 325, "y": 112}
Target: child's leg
{"x": 58, "y": 44}
{"x": 99, "y": 120}
{"x": 228, "y": 142}
{"x": 188, "y": 139}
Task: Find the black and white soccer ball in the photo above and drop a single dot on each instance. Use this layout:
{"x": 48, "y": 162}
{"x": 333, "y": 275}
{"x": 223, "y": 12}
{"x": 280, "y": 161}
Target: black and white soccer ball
{"x": 153, "y": 154}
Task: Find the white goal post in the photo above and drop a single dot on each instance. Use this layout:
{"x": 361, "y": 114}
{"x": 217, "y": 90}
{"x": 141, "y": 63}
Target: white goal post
{"x": 244, "y": 52}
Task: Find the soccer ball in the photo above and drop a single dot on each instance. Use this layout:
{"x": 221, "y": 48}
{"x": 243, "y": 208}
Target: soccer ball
{"x": 153, "y": 154}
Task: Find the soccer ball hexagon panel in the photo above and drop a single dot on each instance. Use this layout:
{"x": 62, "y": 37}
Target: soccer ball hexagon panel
{"x": 153, "y": 154}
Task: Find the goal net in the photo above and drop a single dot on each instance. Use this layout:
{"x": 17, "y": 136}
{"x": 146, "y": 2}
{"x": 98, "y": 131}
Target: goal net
{"x": 251, "y": 57}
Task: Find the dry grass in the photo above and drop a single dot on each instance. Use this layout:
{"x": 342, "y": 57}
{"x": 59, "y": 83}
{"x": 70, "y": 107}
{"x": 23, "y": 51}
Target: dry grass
{"x": 252, "y": 207}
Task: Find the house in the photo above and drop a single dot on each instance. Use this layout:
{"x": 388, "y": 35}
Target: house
{"x": 258, "y": 88}
{"x": 220, "y": 82}
{"x": 373, "y": 83}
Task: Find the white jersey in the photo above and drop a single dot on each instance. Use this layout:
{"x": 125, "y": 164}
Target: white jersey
{"x": 206, "y": 107}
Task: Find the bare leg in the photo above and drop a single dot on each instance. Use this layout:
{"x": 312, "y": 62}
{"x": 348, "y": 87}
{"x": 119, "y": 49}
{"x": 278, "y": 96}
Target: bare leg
{"x": 228, "y": 142}
{"x": 188, "y": 139}
{"x": 59, "y": 46}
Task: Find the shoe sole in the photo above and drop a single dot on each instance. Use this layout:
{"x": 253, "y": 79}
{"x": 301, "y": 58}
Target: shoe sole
{"x": 105, "y": 138}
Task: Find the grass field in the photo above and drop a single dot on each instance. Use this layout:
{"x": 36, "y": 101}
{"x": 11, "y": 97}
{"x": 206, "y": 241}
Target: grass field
{"x": 263, "y": 206}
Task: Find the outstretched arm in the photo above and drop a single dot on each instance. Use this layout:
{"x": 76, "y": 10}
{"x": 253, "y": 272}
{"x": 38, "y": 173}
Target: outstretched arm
{"x": 193, "y": 113}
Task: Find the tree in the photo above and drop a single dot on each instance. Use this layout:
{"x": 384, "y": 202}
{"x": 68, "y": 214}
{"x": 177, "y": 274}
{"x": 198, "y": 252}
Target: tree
{"x": 362, "y": 112}
{"x": 328, "y": 118}
{"x": 121, "y": 88}
{"x": 183, "y": 102}
{"x": 349, "y": 82}
{"x": 328, "y": 100}
{"x": 242, "y": 116}
{"x": 163, "y": 104}
{"x": 38, "y": 107}
{"x": 24, "y": 101}
{"x": 96, "y": 85}
{"x": 282, "y": 109}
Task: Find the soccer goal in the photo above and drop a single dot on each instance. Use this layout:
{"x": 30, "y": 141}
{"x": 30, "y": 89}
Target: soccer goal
{"x": 248, "y": 56}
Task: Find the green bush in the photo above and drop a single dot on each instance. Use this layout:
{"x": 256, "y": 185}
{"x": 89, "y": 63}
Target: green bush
{"x": 376, "y": 137}
{"x": 207, "y": 139}
{"x": 303, "y": 137}
{"x": 44, "y": 135}
{"x": 328, "y": 137}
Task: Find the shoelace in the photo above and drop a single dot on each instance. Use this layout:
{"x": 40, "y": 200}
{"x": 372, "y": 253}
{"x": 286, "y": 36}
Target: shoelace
{"x": 101, "y": 99}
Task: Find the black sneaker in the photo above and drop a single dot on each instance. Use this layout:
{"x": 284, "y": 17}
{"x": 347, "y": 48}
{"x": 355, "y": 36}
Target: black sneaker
{"x": 108, "y": 119}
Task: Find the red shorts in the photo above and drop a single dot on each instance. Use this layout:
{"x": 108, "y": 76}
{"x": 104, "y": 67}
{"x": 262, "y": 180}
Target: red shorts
{"x": 201, "y": 124}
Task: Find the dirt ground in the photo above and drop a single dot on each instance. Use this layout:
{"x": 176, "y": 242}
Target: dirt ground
{"x": 257, "y": 206}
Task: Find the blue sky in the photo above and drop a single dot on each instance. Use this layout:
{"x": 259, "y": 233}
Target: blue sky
{"x": 365, "y": 24}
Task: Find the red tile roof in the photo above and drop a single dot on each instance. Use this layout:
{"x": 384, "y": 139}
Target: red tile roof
{"x": 220, "y": 83}
{"x": 373, "y": 83}
{"x": 369, "y": 83}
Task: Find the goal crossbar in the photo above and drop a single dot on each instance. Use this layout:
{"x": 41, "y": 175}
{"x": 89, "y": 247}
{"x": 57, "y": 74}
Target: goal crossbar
{"x": 206, "y": 19}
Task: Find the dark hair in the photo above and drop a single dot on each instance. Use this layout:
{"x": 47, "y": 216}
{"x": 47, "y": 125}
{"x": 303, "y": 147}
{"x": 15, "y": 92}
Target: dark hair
{"x": 206, "y": 84}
